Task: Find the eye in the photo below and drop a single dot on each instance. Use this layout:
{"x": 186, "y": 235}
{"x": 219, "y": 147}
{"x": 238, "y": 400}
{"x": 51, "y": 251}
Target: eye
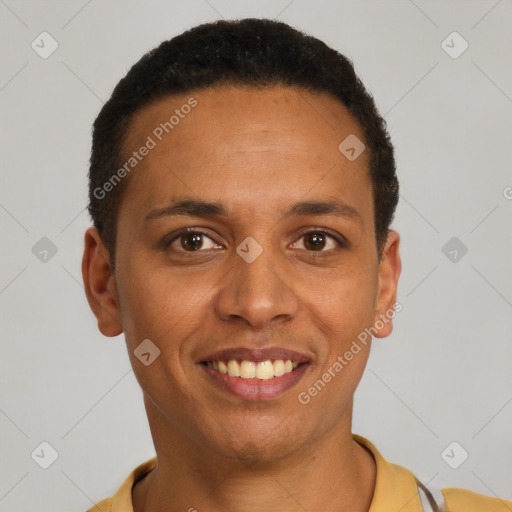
{"x": 317, "y": 240}
{"x": 194, "y": 240}
{"x": 189, "y": 240}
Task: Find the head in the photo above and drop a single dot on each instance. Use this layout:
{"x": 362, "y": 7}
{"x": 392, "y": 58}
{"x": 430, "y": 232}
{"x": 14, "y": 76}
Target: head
{"x": 232, "y": 130}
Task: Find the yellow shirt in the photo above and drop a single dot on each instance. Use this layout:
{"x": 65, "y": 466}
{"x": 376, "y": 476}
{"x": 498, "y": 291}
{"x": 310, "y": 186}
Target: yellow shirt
{"x": 395, "y": 491}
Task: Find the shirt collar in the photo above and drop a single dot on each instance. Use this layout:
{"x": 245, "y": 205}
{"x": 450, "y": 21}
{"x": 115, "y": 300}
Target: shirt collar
{"x": 395, "y": 486}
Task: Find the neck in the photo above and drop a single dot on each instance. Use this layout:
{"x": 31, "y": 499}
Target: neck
{"x": 334, "y": 474}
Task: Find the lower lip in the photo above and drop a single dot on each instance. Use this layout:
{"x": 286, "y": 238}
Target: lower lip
{"x": 257, "y": 389}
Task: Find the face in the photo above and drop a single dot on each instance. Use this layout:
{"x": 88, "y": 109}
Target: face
{"x": 245, "y": 239}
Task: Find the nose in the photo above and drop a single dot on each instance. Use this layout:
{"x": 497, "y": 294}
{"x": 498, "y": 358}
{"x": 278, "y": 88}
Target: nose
{"x": 259, "y": 293}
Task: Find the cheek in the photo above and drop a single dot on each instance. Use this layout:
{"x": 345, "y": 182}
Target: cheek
{"x": 163, "y": 304}
{"x": 164, "y": 307}
{"x": 346, "y": 311}
{"x": 343, "y": 309}
{"x": 345, "y": 299}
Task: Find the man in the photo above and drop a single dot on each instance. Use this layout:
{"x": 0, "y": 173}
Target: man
{"x": 242, "y": 185}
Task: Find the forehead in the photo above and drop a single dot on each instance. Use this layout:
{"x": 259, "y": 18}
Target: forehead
{"x": 239, "y": 141}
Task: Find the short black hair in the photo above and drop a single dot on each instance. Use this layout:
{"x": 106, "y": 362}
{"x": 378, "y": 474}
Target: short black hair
{"x": 248, "y": 52}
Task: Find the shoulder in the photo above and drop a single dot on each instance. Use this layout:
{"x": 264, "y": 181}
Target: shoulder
{"x": 102, "y": 506}
{"x": 395, "y": 485}
{"x": 462, "y": 500}
{"x": 121, "y": 501}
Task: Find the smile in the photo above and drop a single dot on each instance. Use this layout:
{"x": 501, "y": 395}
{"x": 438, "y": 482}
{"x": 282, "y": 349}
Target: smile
{"x": 254, "y": 373}
{"x": 244, "y": 369}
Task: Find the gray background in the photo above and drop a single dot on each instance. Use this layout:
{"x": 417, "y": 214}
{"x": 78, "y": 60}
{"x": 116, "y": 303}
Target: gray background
{"x": 444, "y": 374}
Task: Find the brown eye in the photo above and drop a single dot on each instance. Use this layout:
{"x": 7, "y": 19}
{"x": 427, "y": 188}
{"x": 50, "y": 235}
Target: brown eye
{"x": 314, "y": 241}
{"x": 191, "y": 241}
{"x": 320, "y": 241}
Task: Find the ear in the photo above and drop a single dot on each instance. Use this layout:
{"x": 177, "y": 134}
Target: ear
{"x": 389, "y": 271}
{"x": 99, "y": 283}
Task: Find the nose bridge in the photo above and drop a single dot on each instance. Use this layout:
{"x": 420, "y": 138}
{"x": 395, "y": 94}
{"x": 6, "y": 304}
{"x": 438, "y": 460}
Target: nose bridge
{"x": 256, "y": 289}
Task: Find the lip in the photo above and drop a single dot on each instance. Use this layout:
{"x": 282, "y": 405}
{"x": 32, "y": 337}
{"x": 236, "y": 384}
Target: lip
{"x": 256, "y": 389}
{"x": 256, "y": 355}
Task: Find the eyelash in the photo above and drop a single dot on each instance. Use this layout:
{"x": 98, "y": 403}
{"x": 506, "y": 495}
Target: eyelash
{"x": 339, "y": 239}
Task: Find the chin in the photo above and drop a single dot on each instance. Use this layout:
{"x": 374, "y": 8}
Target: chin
{"x": 257, "y": 448}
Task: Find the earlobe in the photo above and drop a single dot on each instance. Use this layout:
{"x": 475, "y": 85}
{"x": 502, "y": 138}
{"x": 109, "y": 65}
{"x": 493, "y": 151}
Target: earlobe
{"x": 99, "y": 284}
{"x": 389, "y": 272}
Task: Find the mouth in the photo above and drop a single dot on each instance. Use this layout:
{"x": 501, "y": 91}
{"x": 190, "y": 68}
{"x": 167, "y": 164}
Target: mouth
{"x": 255, "y": 374}
{"x": 244, "y": 369}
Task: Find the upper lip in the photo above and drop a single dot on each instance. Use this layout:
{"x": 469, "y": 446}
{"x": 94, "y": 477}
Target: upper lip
{"x": 256, "y": 354}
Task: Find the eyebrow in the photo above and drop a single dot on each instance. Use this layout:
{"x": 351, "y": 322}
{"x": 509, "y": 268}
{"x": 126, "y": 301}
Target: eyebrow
{"x": 199, "y": 208}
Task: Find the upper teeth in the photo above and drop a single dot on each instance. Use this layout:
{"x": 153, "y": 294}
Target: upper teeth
{"x": 250, "y": 370}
